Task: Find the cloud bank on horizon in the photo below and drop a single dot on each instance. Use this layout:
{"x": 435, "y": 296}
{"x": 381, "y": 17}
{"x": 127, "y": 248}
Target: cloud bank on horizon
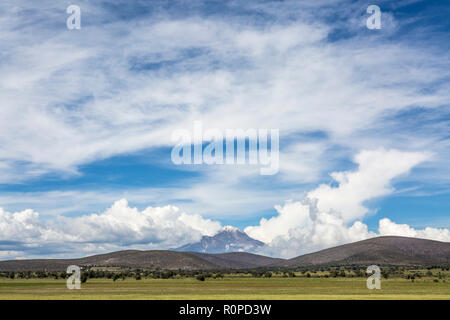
{"x": 319, "y": 221}
{"x": 87, "y": 115}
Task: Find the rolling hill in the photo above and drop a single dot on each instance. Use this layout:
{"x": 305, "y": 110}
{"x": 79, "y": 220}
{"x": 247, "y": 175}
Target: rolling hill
{"x": 239, "y": 260}
{"x": 388, "y": 250}
{"x": 169, "y": 260}
{"x": 379, "y": 251}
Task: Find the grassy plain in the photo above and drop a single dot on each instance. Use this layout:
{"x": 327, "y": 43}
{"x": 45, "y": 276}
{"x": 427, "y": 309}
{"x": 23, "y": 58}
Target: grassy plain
{"x": 229, "y": 287}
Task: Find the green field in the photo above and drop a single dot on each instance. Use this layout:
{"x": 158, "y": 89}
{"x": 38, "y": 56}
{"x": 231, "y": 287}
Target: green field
{"x": 226, "y": 288}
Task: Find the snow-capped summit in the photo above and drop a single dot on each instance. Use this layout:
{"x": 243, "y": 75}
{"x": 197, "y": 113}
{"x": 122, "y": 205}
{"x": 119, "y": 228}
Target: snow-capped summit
{"x": 229, "y": 239}
{"x": 230, "y": 229}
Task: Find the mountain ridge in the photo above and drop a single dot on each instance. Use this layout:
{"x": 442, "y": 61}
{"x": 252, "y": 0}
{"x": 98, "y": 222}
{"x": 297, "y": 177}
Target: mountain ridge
{"x": 152, "y": 259}
{"x": 389, "y": 250}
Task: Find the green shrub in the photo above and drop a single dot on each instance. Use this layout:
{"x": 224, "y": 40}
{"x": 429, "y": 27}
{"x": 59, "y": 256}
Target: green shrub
{"x": 200, "y": 277}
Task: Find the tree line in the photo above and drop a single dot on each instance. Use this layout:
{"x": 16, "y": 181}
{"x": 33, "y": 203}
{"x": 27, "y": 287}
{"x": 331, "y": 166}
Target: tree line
{"x": 407, "y": 272}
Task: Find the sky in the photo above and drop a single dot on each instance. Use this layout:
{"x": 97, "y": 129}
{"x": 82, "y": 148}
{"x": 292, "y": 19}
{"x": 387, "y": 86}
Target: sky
{"x": 87, "y": 119}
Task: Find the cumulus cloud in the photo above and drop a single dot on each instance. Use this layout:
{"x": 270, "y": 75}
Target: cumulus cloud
{"x": 330, "y": 216}
{"x": 376, "y": 168}
{"x": 299, "y": 227}
{"x": 19, "y": 226}
{"x": 389, "y": 228}
{"x": 337, "y": 205}
{"x": 120, "y": 226}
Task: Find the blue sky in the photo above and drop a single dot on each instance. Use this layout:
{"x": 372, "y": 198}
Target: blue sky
{"x": 87, "y": 118}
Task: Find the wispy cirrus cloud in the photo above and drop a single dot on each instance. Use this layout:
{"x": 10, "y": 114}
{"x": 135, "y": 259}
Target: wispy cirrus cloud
{"x": 165, "y": 72}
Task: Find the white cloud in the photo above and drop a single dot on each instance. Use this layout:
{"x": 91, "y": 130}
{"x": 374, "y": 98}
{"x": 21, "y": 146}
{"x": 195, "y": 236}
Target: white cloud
{"x": 61, "y": 88}
{"x": 301, "y": 228}
{"x": 389, "y": 228}
{"x": 326, "y": 217}
{"x": 20, "y": 226}
{"x": 120, "y": 226}
{"x": 337, "y": 205}
{"x": 376, "y": 169}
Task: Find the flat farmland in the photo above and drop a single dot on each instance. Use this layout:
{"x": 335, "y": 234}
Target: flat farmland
{"x": 226, "y": 288}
